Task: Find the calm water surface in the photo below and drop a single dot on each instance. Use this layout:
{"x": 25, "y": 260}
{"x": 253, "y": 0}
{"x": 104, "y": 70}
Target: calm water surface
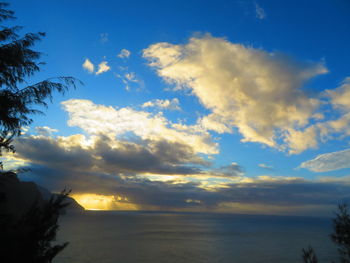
{"x": 144, "y": 237}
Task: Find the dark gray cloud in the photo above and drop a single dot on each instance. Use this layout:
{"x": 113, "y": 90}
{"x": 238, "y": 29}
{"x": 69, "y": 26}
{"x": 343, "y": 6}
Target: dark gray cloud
{"x": 105, "y": 155}
{"x": 232, "y": 170}
{"x": 110, "y": 168}
{"x": 146, "y": 193}
{"x": 48, "y": 152}
{"x": 288, "y": 193}
{"x": 160, "y": 157}
{"x": 142, "y": 192}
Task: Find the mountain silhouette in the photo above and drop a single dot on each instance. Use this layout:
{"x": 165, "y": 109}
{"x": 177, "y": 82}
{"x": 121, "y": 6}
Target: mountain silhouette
{"x": 17, "y": 197}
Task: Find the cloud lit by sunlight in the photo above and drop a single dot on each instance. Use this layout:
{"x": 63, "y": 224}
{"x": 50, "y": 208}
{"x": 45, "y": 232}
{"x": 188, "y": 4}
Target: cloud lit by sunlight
{"x": 103, "y": 67}
{"x": 88, "y": 66}
{"x": 264, "y": 100}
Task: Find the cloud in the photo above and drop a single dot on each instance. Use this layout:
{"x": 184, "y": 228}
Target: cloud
{"x": 337, "y": 122}
{"x": 332, "y": 179}
{"x": 275, "y": 194}
{"x": 234, "y": 169}
{"x": 99, "y": 119}
{"x": 259, "y": 93}
{"x": 87, "y": 65}
{"x": 105, "y": 155}
{"x": 131, "y": 76}
{"x": 124, "y": 53}
{"x": 340, "y": 97}
{"x": 172, "y": 104}
{"x": 107, "y": 166}
{"x": 103, "y": 67}
{"x": 98, "y": 165}
{"x": 301, "y": 140}
{"x": 259, "y": 12}
{"x": 45, "y": 131}
{"x": 265, "y": 166}
{"x": 104, "y": 37}
{"x": 215, "y": 123}
{"x": 328, "y": 162}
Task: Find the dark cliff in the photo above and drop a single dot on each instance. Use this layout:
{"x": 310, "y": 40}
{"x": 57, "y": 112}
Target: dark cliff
{"x": 17, "y": 197}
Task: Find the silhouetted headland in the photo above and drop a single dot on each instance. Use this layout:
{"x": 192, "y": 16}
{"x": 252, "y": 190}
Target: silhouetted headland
{"x": 17, "y": 197}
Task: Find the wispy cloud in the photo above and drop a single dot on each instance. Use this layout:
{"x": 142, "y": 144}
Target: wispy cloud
{"x": 172, "y": 104}
{"x": 259, "y": 11}
{"x": 265, "y": 166}
{"x": 104, "y": 37}
{"x": 129, "y": 77}
{"x": 87, "y": 65}
{"x": 124, "y": 53}
{"x": 45, "y": 131}
{"x": 103, "y": 67}
{"x": 328, "y": 162}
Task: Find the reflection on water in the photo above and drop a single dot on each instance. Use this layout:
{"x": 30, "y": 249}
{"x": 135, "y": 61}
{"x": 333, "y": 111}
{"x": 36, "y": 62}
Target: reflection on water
{"x": 130, "y": 237}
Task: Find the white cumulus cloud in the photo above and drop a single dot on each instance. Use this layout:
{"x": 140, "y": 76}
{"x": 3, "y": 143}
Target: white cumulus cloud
{"x": 112, "y": 122}
{"x": 87, "y": 65}
{"x": 340, "y": 97}
{"x": 257, "y": 92}
{"x": 103, "y": 67}
{"x": 338, "y": 123}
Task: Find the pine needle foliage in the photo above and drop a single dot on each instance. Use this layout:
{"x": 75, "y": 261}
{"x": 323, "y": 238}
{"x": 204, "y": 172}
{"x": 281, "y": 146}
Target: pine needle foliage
{"x": 341, "y": 237}
{"x": 18, "y": 62}
{"x": 30, "y": 238}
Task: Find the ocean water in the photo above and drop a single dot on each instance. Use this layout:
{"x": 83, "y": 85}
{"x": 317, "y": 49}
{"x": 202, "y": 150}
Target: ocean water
{"x": 147, "y": 237}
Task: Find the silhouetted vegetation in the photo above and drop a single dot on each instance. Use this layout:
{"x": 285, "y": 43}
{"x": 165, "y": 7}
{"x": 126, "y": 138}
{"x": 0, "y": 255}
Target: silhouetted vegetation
{"x": 18, "y": 62}
{"x": 28, "y": 237}
{"x": 309, "y": 255}
{"x": 341, "y": 237}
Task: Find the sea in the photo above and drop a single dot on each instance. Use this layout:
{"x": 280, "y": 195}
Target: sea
{"x": 158, "y": 237}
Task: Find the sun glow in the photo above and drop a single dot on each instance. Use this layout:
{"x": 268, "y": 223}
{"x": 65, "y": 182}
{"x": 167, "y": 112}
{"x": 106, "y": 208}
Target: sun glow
{"x": 104, "y": 202}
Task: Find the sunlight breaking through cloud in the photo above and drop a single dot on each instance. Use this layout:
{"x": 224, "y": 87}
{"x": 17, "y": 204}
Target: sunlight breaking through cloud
{"x": 104, "y": 202}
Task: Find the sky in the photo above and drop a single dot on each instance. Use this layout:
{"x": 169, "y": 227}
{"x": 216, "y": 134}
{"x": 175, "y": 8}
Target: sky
{"x": 211, "y": 106}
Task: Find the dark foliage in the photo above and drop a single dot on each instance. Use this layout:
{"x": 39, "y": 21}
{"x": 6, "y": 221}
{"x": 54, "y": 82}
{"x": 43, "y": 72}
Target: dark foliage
{"x": 341, "y": 237}
{"x": 309, "y": 256}
{"x": 29, "y": 238}
{"x": 18, "y": 61}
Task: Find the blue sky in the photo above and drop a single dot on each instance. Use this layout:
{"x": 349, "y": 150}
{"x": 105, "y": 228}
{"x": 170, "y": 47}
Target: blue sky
{"x": 206, "y": 96}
